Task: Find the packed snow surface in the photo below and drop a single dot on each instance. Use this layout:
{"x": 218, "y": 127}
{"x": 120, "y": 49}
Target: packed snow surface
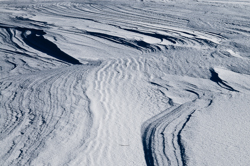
{"x": 125, "y": 83}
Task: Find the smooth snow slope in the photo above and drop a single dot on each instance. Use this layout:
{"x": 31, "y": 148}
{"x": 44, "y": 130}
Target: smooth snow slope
{"x": 124, "y": 83}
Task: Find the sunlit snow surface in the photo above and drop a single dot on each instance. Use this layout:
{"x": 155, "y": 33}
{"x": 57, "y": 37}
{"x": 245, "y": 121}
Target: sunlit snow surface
{"x": 125, "y": 83}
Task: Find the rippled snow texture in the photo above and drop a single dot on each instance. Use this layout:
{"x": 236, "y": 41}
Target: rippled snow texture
{"x": 125, "y": 83}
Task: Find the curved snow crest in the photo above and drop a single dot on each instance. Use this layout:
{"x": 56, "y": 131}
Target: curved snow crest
{"x": 161, "y": 135}
{"x": 62, "y": 106}
{"x": 143, "y": 36}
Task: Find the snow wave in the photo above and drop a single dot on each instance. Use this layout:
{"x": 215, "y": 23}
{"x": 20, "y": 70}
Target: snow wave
{"x": 122, "y": 83}
{"x": 43, "y": 109}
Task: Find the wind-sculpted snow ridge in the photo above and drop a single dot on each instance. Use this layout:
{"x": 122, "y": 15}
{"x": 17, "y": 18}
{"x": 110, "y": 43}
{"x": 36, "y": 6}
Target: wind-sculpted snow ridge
{"x": 17, "y": 58}
{"x": 47, "y": 110}
{"x": 124, "y": 25}
{"x": 36, "y": 40}
{"x": 162, "y": 136}
{"x": 124, "y": 83}
{"x": 170, "y": 139}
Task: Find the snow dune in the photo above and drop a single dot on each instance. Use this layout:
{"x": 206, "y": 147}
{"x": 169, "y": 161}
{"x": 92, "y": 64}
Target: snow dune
{"x": 124, "y": 83}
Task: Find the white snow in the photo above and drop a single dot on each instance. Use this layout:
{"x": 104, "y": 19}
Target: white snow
{"x": 118, "y": 83}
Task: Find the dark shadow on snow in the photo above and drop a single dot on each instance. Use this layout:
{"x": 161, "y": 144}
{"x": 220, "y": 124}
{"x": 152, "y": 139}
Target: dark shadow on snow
{"x": 148, "y": 153}
{"x": 36, "y": 40}
{"x": 136, "y": 44}
{"x": 215, "y": 78}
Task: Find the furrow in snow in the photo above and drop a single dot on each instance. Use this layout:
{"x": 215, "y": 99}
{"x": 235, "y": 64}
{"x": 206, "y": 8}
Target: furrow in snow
{"x": 162, "y": 63}
{"x": 161, "y": 135}
{"x": 44, "y": 109}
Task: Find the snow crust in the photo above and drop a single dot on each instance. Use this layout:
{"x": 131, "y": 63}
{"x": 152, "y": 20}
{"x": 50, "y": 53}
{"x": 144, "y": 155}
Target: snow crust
{"x": 118, "y": 83}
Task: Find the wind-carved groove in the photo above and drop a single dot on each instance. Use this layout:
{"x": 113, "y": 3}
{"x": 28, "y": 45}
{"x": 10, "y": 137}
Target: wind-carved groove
{"x": 148, "y": 47}
{"x": 40, "y": 103}
{"x": 156, "y": 35}
{"x": 215, "y": 78}
{"x": 36, "y": 23}
{"x": 191, "y": 91}
{"x": 37, "y": 108}
{"x": 156, "y": 84}
{"x": 174, "y": 40}
{"x": 161, "y": 135}
{"x": 181, "y": 146}
{"x": 136, "y": 44}
{"x": 35, "y": 39}
{"x": 148, "y": 152}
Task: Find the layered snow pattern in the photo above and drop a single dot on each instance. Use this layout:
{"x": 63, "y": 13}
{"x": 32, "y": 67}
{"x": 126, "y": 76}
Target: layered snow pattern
{"x": 123, "y": 83}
